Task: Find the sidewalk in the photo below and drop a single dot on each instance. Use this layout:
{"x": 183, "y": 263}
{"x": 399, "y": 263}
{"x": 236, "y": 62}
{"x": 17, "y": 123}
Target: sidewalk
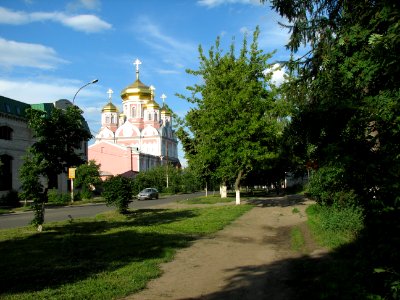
{"x": 246, "y": 260}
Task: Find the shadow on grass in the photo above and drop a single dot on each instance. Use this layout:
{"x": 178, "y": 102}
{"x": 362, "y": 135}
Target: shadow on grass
{"x": 282, "y": 201}
{"x": 344, "y": 273}
{"x": 73, "y": 252}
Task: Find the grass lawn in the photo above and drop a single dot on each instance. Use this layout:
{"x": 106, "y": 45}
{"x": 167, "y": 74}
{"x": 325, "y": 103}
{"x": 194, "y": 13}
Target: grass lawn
{"x": 105, "y": 257}
{"x": 211, "y": 199}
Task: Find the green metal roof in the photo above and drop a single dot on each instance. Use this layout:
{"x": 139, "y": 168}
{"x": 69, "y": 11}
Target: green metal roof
{"x": 46, "y": 107}
{"x": 13, "y": 107}
{"x": 17, "y": 108}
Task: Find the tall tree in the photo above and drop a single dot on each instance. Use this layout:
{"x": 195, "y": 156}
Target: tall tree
{"x": 234, "y": 125}
{"x": 346, "y": 90}
{"x": 58, "y": 135}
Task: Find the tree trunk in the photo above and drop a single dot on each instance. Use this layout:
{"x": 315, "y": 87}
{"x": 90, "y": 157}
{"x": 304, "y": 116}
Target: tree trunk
{"x": 206, "y": 190}
{"x": 223, "y": 191}
{"x": 237, "y": 187}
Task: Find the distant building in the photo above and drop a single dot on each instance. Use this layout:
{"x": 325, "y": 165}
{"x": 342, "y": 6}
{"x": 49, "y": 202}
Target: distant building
{"x": 16, "y": 137}
{"x": 139, "y": 138}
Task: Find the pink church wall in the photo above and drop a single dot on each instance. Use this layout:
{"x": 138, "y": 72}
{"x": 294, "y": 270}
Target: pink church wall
{"x": 113, "y": 159}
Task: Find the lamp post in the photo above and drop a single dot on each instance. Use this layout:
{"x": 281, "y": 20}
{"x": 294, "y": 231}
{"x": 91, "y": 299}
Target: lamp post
{"x": 91, "y": 82}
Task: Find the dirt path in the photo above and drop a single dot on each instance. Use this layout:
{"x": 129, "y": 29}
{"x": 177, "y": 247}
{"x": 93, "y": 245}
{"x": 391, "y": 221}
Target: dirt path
{"x": 246, "y": 260}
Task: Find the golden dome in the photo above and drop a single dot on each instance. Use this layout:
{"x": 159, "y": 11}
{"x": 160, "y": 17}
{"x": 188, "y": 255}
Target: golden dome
{"x": 109, "y": 107}
{"x": 165, "y": 110}
{"x": 152, "y": 104}
{"x": 137, "y": 88}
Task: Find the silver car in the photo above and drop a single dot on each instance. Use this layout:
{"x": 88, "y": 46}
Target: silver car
{"x": 148, "y": 193}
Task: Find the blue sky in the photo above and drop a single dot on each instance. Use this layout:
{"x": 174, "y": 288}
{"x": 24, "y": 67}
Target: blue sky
{"x": 49, "y": 49}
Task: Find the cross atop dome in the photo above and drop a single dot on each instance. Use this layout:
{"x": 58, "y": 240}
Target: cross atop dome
{"x": 152, "y": 89}
{"x": 110, "y": 92}
{"x": 137, "y": 62}
{"x": 163, "y": 97}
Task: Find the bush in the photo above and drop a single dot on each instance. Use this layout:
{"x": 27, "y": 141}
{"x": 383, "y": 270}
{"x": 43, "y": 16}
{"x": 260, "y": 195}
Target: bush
{"x": 54, "y": 197}
{"x": 118, "y": 192}
{"x": 85, "y": 194}
{"x": 328, "y": 187}
{"x": 11, "y": 199}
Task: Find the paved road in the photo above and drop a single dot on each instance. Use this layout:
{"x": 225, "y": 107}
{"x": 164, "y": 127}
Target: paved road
{"x": 62, "y": 213}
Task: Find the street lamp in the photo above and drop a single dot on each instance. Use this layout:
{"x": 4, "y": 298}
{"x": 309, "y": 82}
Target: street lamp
{"x": 91, "y": 82}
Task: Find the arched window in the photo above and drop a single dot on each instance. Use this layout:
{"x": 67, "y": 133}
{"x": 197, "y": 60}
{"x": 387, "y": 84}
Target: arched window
{"x": 112, "y": 119}
{"x": 107, "y": 119}
{"x": 5, "y": 172}
{"x": 133, "y": 111}
{"x": 5, "y": 133}
{"x": 149, "y": 116}
{"x": 155, "y": 116}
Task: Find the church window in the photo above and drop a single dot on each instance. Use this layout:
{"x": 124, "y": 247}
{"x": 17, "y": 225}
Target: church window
{"x": 155, "y": 117}
{"x": 108, "y": 119}
{"x": 133, "y": 111}
{"x": 6, "y": 172}
{"x": 149, "y": 117}
{"x": 112, "y": 119}
{"x": 5, "y": 133}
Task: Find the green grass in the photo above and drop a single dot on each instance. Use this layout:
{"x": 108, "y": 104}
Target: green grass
{"x": 212, "y": 199}
{"x": 105, "y": 257}
{"x": 334, "y": 227}
{"x": 297, "y": 239}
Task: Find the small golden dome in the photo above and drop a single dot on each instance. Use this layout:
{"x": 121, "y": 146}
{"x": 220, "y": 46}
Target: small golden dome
{"x": 153, "y": 104}
{"x": 165, "y": 110}
{"x": 109, "y": 107}
{"x": 137, "y": 88}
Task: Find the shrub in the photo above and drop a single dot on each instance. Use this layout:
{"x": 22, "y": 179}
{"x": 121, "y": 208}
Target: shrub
{"x": 10, "y": 199}
{"x": 118, "y": 192}
{"x": 328, "y": 187}
{"x": 54, "y": 197}
{"x": 85, "y": 194}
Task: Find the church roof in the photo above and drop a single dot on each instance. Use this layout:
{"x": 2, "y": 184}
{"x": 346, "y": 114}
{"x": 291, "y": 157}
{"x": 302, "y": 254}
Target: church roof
{"x": 109, "y": 107}
{"x": 137, "y": 88}
{"x": 165, "y": 110}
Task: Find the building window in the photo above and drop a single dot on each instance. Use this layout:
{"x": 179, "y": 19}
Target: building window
{"x": 134, "y": 112}
{"x": 5, "y": 173}
{"x": 155, "y": 117}
{"x": 5, "y": 133}
{"x": 108, "y": 119}
{"x": 149, "y": 117}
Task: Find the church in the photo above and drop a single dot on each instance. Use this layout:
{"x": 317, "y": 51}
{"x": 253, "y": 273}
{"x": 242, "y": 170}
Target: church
{"x": 138, "y": 138}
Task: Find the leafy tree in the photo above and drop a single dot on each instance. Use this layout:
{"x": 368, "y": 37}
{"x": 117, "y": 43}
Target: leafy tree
{"x": 87, "y": 177}
{"x": 346, "y": 93}
{"x": 58, "y": 135}
{"x": 233, "y": 126}
{"x": 117, "y": 192}
{"x": 32, "y": 187}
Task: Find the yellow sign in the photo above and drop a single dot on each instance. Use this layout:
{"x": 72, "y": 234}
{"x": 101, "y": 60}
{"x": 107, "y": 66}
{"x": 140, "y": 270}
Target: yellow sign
{"x": 71, "y": 173}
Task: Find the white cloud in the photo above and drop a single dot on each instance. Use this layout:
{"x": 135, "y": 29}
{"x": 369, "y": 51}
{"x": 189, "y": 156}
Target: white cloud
{"x": 16, "y": 54}
{"x": 85, "y": 23}
{"x": 245, "y": 30}
{"x": 48, "y": 90}
{"x": 12, "y": 17}
{"x": 174, "y": 51}
{"x": 214, "y": 3}
{"x": 278, "y": 74}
